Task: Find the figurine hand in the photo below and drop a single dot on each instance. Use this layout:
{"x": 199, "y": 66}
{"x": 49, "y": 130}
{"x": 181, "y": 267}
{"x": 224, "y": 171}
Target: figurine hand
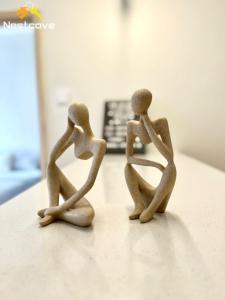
{"x": 70, "y": 123}
{"x": 41, "y": 212}
{"x": 46, "y": 220}
{"x": 53, "y": 211}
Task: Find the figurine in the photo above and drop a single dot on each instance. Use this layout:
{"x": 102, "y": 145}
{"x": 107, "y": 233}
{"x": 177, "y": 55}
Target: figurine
{"x": 76, "y": 209}
{"x": 148, "y": 199}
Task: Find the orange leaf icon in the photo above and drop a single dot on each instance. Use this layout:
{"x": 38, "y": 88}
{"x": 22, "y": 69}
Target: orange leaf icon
{"x": 22, "y": 12}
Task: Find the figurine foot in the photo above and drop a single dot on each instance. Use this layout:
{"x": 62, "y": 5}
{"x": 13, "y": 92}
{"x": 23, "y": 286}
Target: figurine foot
{"x": 136, "y": 213}
{"x": 163, "y": 205}
{"x": 145, "y": 216}
{"x": 46, "y": 220}
{"x": 41, "y": 213}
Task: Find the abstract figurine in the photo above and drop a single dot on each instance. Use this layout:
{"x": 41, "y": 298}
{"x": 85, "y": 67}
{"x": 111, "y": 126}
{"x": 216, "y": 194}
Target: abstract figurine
{"x": 76, "y": 209}
{"x": 148, "y": 199}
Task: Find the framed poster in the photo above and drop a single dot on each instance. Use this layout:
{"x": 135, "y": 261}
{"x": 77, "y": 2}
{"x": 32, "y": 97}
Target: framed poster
{"x": 117, "y": 114}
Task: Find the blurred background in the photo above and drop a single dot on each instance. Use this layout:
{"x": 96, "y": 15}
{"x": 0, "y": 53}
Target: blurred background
{"x": 102, "y": 50}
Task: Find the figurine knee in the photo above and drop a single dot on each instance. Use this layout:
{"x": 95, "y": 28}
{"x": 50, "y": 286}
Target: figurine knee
{"x": 82, "y": 216}
{"x": 86, "y": 219}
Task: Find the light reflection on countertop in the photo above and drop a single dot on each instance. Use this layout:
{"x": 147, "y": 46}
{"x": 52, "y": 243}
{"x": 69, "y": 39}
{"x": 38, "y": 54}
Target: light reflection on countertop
{"x": 178, "y": 255}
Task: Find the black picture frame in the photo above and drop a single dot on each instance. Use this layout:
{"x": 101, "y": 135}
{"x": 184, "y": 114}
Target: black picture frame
{"x": 116, "y": 115}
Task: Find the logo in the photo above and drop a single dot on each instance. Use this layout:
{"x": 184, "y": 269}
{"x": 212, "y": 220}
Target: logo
{"x": 24, "y": 12}
{"x": 27, "y": 10}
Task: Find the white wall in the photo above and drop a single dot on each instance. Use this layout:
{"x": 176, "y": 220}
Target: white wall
{"x": 174, "y": 48}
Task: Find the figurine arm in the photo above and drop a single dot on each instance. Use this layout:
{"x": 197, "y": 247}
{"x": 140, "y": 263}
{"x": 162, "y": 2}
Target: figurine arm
{"x": 131, "y": 159}
{"x": 145, "y": 162}
{"x": 160, "y": 145}
{"x": 130, "y": 141}
{"x": 99, "y": 152}
{"x": 64, "y": 142}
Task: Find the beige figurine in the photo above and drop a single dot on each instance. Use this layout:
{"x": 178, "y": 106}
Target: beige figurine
{"x": 76, "y": 209}
{"x": 148, "y": 199}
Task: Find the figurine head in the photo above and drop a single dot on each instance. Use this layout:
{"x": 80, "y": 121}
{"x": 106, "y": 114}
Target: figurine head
{"x": 78, "y": 114}
{"x": 141, "y": 101}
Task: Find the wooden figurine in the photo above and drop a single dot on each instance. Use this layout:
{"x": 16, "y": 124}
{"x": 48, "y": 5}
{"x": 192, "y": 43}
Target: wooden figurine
{"x": 76, "y": 209}
{"x": 148, "y": 199}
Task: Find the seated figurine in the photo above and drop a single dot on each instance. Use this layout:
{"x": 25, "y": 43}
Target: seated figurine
{"x": 76, "y": 209}
{"x": 148, "y": 199}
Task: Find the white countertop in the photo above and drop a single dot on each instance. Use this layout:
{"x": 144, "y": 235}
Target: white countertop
{"x": 178, "y": 255}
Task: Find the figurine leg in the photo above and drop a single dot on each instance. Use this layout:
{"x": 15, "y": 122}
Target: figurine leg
{"x": 162, "y": 195}
{"x": 82, "y": 213}
{"x": 148, "y": 213}
{"x": 141, "y": 192}
{"x": 147, "y": 191}
{"x": 163, "y": 205}
{"x": 53, "y": 180}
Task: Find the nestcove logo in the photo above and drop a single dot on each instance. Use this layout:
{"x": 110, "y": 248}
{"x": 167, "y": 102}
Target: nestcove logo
{"x": 26, "y": 11}
{"x": 8, "y": 24}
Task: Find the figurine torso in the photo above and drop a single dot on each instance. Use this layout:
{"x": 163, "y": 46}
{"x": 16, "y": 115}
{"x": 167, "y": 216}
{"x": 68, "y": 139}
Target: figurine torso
{"x": 83, "y": 145}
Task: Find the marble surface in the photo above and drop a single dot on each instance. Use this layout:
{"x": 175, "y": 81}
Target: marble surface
{"x": 179, "y": 255}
